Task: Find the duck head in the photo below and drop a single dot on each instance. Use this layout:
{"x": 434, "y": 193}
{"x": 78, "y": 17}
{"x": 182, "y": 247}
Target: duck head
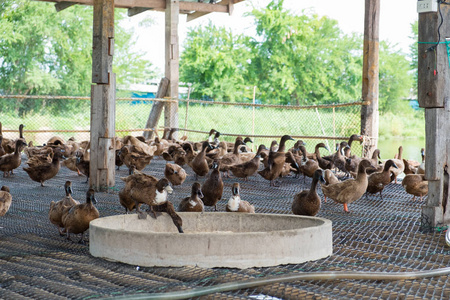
{"x": 90, "y": 196}
{"x": 196, "y": 190}
{"x": 318, "y": 175}
{"x": 235, "y": 189}
{"x": 248, "y": 140}
{"x": 68, "y": 188}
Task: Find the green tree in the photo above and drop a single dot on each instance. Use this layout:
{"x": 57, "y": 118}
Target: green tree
{"x": 214, "y": 63}
{"x": 43, "y": 52}
{"x": 303, "y": 59}
{"x": 395, "y": 79}
{"x": 414, "y": 53}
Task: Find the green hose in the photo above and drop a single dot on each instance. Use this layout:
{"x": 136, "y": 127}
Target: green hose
{"x": 250, "y": 283}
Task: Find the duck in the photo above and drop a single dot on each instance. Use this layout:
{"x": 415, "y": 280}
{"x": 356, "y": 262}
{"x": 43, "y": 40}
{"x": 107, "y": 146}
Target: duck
{"x": 40, "y": 159}
{"x": 193, "y": 203}
{"x": 421, "y": 168}
{"x": 46, "y": 171}
{"x": 265, "y": 153}
{"x": 5, "y": 200}
{"x": 329, "y": 178}
{"x": 134, "y": 159}
{"x": 324, "y": 164}
{"x": 10, "y": 145}
{"x": 354, "y": 137}
{"x": 231, "y": 158}
{"x": 350, "y": 190}
{"x": 2, "y": 150}
{"x": 76, "y": 220}
{"x": 339, "y": 158}
{"x": 290, "y": 165}
{"x": 71, "y": 163}
{"x": 142, "y": 188}
{"x": 175, "y": 174}
{"x": 212, "y": 188}
{"x": 307, "y": 166}
{"x": 59, "y": 208}
{"x": 276, "y": 161}
{"x": 408, "y": 168}
{"x": 83, "y": 165}
{"x": 247, "y": 169}
{"x": 199, "y": 164}
{"x": 416, "y": 185}
{"x": 11, "y": 161}
{"x": 236, "y": 204}
{"x": 307, "y": 202}
{"x": 220, "y": 151}
{"x": 399, "y": 163}
{"x": 378, "y": 180}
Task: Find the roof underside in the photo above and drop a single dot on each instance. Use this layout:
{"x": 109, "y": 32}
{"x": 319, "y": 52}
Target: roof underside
{"x": 193, "y": 9}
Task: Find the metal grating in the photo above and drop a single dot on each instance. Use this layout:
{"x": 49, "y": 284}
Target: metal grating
{"x": 378, "y": 235}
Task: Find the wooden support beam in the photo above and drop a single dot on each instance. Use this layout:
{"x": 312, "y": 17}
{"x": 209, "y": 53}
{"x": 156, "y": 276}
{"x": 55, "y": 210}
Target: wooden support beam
{"x": 172, "y": 61}
{"x": 63, "y": 5}
{"x": 157, "y": 108}
{"x": 369, "y": 112}
{"x": 136, "y": 10}
{"x": 103, "y": 96}
{"x": 434, "y": 96}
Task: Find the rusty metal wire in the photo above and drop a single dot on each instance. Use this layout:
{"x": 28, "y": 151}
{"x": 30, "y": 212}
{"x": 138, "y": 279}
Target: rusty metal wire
{"x": 377, "y": 236}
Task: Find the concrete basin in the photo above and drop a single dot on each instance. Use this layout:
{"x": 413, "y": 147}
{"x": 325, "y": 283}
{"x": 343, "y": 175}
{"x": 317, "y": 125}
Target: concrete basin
{"x": 231, "y": 240}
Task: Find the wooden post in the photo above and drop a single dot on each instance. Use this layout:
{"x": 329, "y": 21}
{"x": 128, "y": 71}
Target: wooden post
{"x": 103, "y": 96}
{"x": 172, "y": 62}
{"x": 369, "y": 111}
{"x": 433, "y": 94}
{"x": 155, "y": 113}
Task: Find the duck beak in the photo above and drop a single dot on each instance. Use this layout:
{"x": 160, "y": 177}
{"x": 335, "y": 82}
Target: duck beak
{"x": 169, "y": 189}
{"x": 200, "y": 194}
{"x": 235, "y": 190}
{"x": 321, "y": 179}
{"x": 70, "y": 190}
{"x": 394, "y": 166}
{"x": 93, "y": 199}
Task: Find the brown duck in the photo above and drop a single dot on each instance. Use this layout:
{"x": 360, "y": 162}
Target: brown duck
{"x": 230, "y": 159}
{"x": 11, "y": 161}
{"x": 307, "y": 202}
{"x": 193, "y": 203}
{"x": 329, "y": 178}
{"x": 46, "y": 171}
{"x": 324, "y": 164}
{"x": 350, "y": 190}
{"x": 276, "y": 161}
{"x": 212, "y": 188}
{"x": 76, "y": 220}
{"x": 236, "y": 204}
{"x": 416, "y": 185}
{"x": 246, "y": 169}
{"x": 175, "y": 174}
{"x": 307, "y": 166}
{"x": 199, "y": 164}
{"x": 378, "y": 180}
{"x": 5, "y": 200}
{"x": 59, "y": 208}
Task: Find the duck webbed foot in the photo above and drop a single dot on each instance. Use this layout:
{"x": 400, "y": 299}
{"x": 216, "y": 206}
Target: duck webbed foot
{"x": 142, "y": 215}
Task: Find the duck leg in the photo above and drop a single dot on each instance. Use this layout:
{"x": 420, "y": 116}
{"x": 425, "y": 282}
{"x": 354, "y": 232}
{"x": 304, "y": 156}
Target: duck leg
{"x": 81, "y": 241}
{"x": 87, "y": 179}
{"x": 346, "y": 208}
{"x": 176, "y": 219}
{"x": 141, "y": 215}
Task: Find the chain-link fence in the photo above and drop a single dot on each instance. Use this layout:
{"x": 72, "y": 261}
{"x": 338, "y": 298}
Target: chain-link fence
{"x": 47, "y": 116}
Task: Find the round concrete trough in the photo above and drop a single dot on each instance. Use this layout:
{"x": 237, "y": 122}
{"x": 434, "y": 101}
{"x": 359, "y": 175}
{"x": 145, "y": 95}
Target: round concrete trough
{"x": 232, "y": 240}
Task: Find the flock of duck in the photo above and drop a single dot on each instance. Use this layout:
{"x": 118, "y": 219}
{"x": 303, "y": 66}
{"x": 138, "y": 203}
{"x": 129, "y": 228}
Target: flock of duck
{"x": 212, "y": 160}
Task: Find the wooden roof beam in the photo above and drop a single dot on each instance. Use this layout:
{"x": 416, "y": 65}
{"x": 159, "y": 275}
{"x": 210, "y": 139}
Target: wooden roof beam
{"x": 158, "y": 5}
{"x": 63, "y": 5}
{"x": 136, "y": 10}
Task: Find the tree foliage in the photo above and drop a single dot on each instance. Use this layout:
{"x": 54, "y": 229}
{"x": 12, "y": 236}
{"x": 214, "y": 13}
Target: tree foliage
{"x": 214, "y": 63}
{"x": 295, "y": 59}
{"x": 43, "y": 52}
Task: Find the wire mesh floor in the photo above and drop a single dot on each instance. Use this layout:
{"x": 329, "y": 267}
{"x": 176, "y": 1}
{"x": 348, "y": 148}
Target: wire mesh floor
{"x": 377, "y": 236}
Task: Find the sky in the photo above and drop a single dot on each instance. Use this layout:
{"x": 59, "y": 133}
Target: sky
{"x": 396, "y": 17}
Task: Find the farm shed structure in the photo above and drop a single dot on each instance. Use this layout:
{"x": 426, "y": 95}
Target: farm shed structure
{"x": 433, "y": 85}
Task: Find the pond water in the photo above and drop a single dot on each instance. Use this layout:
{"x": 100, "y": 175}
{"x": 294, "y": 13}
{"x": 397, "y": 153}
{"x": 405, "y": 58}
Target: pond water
{"x": 411, "y": 148}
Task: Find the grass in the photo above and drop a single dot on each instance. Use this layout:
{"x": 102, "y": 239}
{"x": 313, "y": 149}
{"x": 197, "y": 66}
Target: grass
{"x": 228, "y": 119}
